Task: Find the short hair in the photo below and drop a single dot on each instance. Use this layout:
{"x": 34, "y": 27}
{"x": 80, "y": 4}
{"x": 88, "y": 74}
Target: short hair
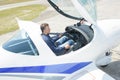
{"x": 43, "y": 26}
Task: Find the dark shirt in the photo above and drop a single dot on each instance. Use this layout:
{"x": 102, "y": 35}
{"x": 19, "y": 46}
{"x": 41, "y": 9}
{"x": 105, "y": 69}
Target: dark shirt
{"x": 50, "y": 42}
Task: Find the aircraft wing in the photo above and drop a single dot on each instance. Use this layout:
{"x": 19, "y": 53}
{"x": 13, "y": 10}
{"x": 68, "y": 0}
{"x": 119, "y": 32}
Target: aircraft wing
{"x": 91, "y": 72}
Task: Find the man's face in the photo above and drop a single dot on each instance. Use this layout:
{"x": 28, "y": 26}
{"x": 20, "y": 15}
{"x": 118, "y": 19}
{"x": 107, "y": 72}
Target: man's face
{"x": 47, "y": 30}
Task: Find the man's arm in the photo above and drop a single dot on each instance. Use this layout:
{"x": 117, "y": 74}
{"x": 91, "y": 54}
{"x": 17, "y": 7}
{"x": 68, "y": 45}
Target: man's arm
{"x": 56, "y": 50}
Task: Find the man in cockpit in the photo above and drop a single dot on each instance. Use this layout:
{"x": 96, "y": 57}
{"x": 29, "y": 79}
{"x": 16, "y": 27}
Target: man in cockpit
{"x": 55, "y": 43}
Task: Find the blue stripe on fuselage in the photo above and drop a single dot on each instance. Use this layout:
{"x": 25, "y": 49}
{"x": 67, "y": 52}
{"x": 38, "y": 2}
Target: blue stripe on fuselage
{"x": 67, "y": 68}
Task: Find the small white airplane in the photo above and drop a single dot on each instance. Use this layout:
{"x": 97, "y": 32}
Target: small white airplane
{"x": 27, "y": 57}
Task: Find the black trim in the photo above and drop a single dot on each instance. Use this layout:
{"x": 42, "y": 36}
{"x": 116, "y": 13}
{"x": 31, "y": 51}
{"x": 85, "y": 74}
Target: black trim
{"x": 61, "y": 12}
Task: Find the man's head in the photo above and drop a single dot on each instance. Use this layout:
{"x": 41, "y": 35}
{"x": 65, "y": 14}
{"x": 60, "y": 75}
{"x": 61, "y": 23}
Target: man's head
{"x": 45, "y": 28}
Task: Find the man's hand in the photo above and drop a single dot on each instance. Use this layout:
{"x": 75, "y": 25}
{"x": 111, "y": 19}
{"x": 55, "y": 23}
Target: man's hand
{"x": 67, "y": 46}
{"x": 82, "y": 21}
{"x": 60, "y": 35}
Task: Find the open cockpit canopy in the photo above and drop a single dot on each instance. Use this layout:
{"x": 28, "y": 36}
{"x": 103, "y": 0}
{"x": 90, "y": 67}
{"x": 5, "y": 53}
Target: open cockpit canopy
{"x": 76, "y": 9}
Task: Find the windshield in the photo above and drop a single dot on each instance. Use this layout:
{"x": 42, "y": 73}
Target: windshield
{"x": 21, "y": 43}
{"x": 67, "y": 8}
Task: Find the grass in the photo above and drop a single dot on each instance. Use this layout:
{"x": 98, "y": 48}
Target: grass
{"x": 7, "y": 17}
{"x": 5, "y": 2}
